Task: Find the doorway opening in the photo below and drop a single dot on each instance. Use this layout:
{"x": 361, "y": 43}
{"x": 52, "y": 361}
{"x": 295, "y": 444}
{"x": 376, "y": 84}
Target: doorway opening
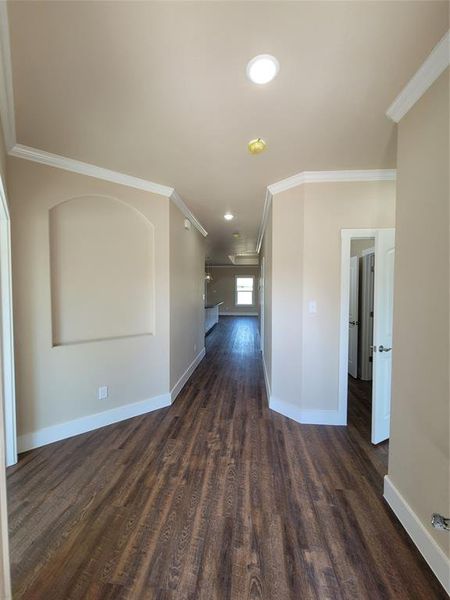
{"x": 360, "y": 334}
{"x": 7, "y": 381}
{"x": 365, "y": 361}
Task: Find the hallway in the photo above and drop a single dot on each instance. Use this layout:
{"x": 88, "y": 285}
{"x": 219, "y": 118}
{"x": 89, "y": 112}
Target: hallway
{"x": 216, "y": 497}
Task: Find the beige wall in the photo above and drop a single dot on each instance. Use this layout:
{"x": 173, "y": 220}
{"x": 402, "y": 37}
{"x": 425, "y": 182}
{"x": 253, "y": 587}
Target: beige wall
{"x": 222, "y": 288}
{"x": 102, "y": 288}
{"x": 307, "y": 223}
{"x": 187, "y": 313}
{"x": 357, "y": 247}
{"x": 2, "y": 156}
{"x": 58, "y": 384}
{"x": 419, "y": 447}
{"x": 266, "y": 256}
{"x": 287, "y": 289}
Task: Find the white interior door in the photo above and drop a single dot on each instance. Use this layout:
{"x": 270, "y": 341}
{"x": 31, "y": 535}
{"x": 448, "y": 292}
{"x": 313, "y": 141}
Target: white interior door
{"x": 382, "y": 334}
{"x": 353, "y": 318}
{"x": 261, "y": 306}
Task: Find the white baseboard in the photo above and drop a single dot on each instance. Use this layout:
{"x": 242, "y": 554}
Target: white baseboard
{"x": 266, "y": 379}
{"x": 305, "y": 416}
{"x": 183, "y": 379}
{"x": 61, "y": 431}
{"x": 427, "y": 546}
{"x": 238, "y": 314}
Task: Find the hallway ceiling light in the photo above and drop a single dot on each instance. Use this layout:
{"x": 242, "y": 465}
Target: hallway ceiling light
{"x": 256, "y": 146}
{"x": 262, "y": 69}
{"x": 228, "y": 216}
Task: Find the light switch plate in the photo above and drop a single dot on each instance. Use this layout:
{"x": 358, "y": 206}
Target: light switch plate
{"x": 102, "y": 392}
{"x": 312, "y": 307}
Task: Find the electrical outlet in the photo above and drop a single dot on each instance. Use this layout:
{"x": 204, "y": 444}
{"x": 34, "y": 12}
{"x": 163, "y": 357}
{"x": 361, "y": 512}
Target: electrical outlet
{"x": 102, "y": 392}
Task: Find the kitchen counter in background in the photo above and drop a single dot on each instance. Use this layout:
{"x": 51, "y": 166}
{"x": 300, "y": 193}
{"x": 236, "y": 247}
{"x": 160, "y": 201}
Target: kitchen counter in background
{"x": 211, "y": 315}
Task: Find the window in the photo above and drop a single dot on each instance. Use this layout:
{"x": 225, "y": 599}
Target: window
{"x": 244, "y": 291}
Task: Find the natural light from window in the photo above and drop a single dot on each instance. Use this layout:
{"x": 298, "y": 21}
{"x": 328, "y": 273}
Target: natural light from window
{"x": 244, "y": 291}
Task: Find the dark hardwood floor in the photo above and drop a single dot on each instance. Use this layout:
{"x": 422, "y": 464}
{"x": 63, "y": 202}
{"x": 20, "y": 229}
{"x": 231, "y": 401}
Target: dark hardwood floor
{"x": 360, "y": 422}
{"x": 214, "y": 498}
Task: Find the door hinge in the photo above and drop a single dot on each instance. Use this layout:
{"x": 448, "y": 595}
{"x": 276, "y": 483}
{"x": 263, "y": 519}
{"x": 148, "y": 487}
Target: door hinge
{"x": 371, "y": 314}
{"x": 372, "y": 269}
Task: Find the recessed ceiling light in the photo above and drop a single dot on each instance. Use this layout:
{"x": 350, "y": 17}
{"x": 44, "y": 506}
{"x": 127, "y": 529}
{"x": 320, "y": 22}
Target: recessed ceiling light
{"x": 228, "y": 216}
{"x": 263, "y": 68}
{"x": 256, "y": 146}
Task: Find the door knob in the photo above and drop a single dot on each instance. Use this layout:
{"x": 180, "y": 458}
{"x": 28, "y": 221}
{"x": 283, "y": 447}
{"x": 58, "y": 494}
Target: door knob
{"x": 383, "y": 349}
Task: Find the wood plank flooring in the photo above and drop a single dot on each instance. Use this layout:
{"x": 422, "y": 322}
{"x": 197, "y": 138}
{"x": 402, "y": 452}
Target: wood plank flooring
{"x": 214, "y": 498}
{"x": 360, "y": 422}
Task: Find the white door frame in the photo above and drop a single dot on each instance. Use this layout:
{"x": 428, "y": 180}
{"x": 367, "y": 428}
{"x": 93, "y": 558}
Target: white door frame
{"x": 261, "y": 304}
{"x": 7, "y": 331}
{"x": 347, "y": 235}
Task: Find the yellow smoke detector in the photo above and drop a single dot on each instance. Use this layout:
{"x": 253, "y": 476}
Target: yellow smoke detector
{"x": 256, "y": 146}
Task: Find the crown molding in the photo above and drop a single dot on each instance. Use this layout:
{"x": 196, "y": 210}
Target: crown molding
{"x": 178, "y": 201}
{"x": 76, "y": 166}
{"x": 6, "y": 82}
{"x": 233, "y": 266}
{"x": 435, "y": 64}
{"x": 82, "y": 168}
{"x": 318, "y": 177}
{"x": 238, "y": 260}
{"x": 61, "y": 162}
{"x": 331, "y": 177}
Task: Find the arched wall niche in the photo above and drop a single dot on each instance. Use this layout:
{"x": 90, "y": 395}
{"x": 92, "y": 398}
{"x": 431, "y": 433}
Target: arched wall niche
{"x": 102, "y": 267}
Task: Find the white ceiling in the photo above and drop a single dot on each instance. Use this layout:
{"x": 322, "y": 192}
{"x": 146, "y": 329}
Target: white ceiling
{"x": 158, "y": 90}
